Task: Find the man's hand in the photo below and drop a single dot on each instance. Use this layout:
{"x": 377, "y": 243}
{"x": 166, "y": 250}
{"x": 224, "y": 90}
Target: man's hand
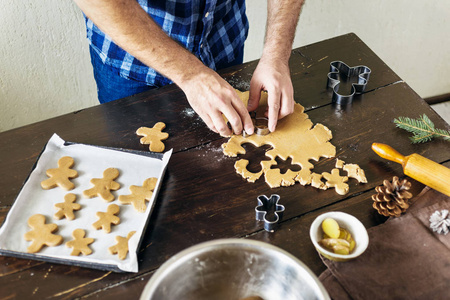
{"x": 272, "y": 73}
{"x": 135, "y": 31}
{"x": 211, "y": 96}
{"x": 274, "y": 77}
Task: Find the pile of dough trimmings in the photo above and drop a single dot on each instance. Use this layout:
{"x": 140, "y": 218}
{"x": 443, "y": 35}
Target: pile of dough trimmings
{"x": 297, "y": 138}
{"x": 43, "y": 234}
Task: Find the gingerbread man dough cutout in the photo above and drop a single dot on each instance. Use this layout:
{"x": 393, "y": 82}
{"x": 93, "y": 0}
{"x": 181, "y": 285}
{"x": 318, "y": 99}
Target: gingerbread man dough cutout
{"x": 336, "y": 181}
{"x": 66, "y": 208}
{"x": 140, "y": 194}
{"x": 153, "y": 136}
{"x": 41, "y": 234}
{"x": 105, "y": 219}
{"x": 104, "y": 186}
{"x": 61, "y": 176}
{"x": 121, "y": 248}
{"x": 80, "y": 244}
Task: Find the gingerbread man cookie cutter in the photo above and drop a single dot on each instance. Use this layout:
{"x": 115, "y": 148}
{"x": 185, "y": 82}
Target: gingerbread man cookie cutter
{"x": 261, "y": 125}
{"x": 339, "y": 69}
{"x": 265, "y": 205}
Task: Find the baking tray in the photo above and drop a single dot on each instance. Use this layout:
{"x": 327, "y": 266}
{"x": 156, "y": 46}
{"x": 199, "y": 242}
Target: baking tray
{"x": 90, "y": 162}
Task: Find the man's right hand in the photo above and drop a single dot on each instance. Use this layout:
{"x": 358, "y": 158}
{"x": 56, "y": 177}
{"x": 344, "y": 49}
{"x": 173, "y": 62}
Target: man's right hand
{"x": 135, "y": 31}
{"x": 212, "y": 98}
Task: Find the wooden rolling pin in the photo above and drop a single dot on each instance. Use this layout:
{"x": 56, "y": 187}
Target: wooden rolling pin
{"x": 422, "y": 169}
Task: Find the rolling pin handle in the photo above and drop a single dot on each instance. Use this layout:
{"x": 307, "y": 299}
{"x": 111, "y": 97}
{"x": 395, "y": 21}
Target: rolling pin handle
{"x": 389, "y": 153}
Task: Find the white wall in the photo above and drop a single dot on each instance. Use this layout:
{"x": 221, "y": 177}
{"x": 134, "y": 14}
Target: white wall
{"x": 44, "y": 62}
{"x": 411, "y": 36}
{"x": 45, "y": 69}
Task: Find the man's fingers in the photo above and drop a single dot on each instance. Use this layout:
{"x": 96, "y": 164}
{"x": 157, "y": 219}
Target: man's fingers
{"x": 254, "y": 96}
{"x": 208, "y": 122}
{"x": 274, "y": 108}
{"x": 234, "y": 119}
{"x": 220, "y": 125}
{"x": 244, "y": 116}
{"x": 287, "y": 104}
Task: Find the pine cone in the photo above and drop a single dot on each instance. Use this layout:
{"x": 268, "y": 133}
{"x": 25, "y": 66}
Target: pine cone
{"x": 392, "y": 199}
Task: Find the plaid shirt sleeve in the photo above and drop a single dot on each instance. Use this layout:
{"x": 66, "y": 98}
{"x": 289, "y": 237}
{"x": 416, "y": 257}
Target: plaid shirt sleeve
{"x": 213, "y": 30}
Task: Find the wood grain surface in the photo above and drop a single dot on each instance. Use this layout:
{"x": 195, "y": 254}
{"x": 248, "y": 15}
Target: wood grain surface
{"x": 202, "y": 198}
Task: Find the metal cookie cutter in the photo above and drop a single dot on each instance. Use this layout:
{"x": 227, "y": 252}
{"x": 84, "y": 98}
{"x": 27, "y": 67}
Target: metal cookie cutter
{"x": 267, "y": 204}
{"x": 261, "y": 125}
{"x": 338, "y": 67}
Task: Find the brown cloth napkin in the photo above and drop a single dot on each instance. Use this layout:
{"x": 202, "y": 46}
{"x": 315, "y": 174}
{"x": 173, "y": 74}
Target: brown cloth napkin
{"x": 405, "y": 259}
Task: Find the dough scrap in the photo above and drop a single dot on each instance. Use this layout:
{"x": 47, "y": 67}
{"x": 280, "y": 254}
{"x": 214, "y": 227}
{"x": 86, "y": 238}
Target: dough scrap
{"x": 61, "y": 176}
{"x": 105, "y": 219}
{"x": 153, "y": 136}
{"x": 66, "y": 208}
{"x": 339, "y": 163}
{"x": 316, "y": 181}
{"x": 241, "y": 169}
{"x": 304, "y": 176}
{"x": 41, "y": 234}
{"x": 80, "y": 244}
{"x": 354, "y": 171}
{"x": 121, "y": 248}
{"x": 140, "y": 194}
{"x": 104, "y": 186}
{"x": 337, "y": 181}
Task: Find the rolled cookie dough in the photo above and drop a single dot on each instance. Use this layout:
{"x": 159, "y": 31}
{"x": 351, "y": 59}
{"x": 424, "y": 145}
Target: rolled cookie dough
{"x": 295, "y": 137}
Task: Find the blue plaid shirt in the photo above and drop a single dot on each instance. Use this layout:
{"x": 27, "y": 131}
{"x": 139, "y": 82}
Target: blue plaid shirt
{"x": 213, "y": 30}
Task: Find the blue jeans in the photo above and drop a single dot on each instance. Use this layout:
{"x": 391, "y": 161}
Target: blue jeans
{"x": 111, "y": 86}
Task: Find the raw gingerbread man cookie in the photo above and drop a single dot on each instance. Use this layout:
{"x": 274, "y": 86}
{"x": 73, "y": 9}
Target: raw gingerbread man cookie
{"x": 121, "y": 248}
{"x": 41, "y": 234}
{"x": 336, "y": 181}
{"x": 153, "y": 136}
{"x": 140, "y": 194}
{"x": 80, "y": 244}
{"x": 105, "y": 219}
{"x": 66, "y": 208}
{"x": 61, "y": 176}
{"x": 104, "y": 186}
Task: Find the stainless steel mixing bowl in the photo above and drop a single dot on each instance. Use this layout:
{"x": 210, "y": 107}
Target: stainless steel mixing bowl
{"x": 233, "y": 269}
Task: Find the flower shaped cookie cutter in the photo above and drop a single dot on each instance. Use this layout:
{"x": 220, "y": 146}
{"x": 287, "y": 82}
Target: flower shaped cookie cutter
{"x": 266, "y": 205}
{"x": 338, "y": 69}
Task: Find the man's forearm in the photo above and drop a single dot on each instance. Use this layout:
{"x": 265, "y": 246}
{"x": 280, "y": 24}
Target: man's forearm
{"x": 130, "y": 27}
{"x": 282, "y": 18}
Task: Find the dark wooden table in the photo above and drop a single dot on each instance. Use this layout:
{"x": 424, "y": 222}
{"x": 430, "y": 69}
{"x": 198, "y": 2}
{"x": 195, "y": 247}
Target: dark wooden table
{"x": 202, "y": 198}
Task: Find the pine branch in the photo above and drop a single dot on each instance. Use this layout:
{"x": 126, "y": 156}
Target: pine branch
{"x": 423, "y": 129}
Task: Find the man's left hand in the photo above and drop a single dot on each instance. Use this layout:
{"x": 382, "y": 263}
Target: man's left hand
{"x": 273, "y": 76}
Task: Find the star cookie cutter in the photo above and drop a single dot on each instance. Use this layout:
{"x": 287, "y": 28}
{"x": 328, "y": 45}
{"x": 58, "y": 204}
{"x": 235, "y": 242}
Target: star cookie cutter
{"x": 261, "y": 125}
{"x": 339, "y": 67}
{"x": 265, "y": 205}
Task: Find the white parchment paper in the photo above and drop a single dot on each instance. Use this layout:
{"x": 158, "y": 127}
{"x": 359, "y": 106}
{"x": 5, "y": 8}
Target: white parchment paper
{"x": 90, "y": 162}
